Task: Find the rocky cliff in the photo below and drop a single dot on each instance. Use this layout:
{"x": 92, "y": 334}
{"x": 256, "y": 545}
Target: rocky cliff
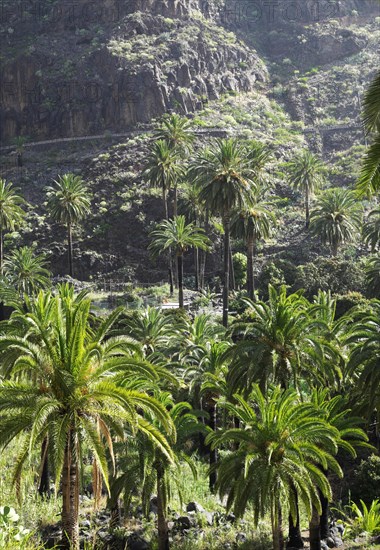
{"x": 81, "y": 68}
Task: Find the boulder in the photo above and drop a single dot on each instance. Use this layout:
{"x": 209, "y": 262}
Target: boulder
{"x": 195, "y": 507}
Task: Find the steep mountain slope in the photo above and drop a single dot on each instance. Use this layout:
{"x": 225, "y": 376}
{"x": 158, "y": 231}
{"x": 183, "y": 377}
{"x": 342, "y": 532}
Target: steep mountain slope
{"x": 272, "y": 72}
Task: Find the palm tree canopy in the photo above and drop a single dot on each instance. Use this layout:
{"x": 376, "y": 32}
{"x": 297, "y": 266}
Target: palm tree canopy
{"x": 26, "y": 270}
{"x": 280, "y": 443}
{"x": 68, "y": 199}
{"x": 175, "y": 130}
{"x": 337, "y": 216}
{"x": 11, "y": 212}
{"x": 369, "y": 180}
{"x": 253, "y": 222}
{"x": 224, "y": 175}
{"x": 162, "y": 167}
{"x": 190, "y": 204}
{"x": 74, "y": 382}
{"x": 178, "y": 235}
{"x": 371, "y": 114}
{"x": 281, "y": 340}
{"x": 306, "y": 172}
{"x": 371, "y": 229}
{"x": 259, "y": 155}
{"x": 364, "y": 363}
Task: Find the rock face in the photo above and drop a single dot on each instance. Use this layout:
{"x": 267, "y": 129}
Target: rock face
{"x": 87, "y": 70}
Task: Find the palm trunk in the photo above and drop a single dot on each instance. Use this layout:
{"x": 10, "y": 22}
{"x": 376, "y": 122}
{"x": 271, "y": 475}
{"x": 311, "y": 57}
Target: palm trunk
{"x": 70, "y": 496}
{"x": 277, "y": 533}
{"x": 324, "y": 519}
{"x": 163, "y": 533}
{"x": 250, "y": 274}
{"x": 213, "y": 452}
{"x": 44, "y": 485}
{"x": 334, "y": 248}
{"x": 196, "y": 263}
{"x": 165, "y": 203}
{"x": 170, "y": 263}
{"x": 307, "y": 207}
{"x": 70, "y": 249}
{"x": 175, "y": 202}
{"x": 204, "y": 253}
{"x": 295, "y": 541}
{"x": 232, "y": 271}
{"x": 226, "y": 281}
{"x": 180, "y": 279}
{"x": 314, "y": 531}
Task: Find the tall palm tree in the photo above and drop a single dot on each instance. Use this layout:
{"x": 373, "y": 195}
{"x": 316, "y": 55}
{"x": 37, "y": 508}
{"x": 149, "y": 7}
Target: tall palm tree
{"x": 252, "y": 223}
{"x": 191, "y": 207}
{"x": 68, "y": 203}
{"x": 26, "y": 271}
{"x": 224, "y": 175}
{"x": 163, "y": 169}
{"x": 206, "y": 379}
{"x": 369, "y": 180}
{"x": 306, "y": 175}
{"x": 11, "y": 212}
{"x": 74, "y": 384}
{"x": 177, "y": 235}
{"x": 336, "y": 218}
{"x": 280, "y": 444}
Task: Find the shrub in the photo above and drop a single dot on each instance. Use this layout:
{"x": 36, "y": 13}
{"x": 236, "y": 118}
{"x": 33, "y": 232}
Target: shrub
{"x": 362, "y": 519}
{"x": 270, "y": 274}
{"x": 338, "y": 276}
{"x": 240, "y": 268}
{"x": 366, "y": 480}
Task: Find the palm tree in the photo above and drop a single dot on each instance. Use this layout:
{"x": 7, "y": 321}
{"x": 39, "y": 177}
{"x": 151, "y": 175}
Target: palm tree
{"x": 336, "y": 218}
{"x": 259, "y": 155}
{"x": 306, "y": 175}
{"x": 364, "y": 361}
{"x": 369, "y": 180}
{"x": 336, "y": 413}
{"x": 191, "y": 207}
{"x": 206, "y": 378}
{"x": 282, "y": 339}
{"x": 26, "y": 271}
{"x": 144, "y": 466}
{"x": 68, "y": 203}
{"x": 177, "y": 132}
{"x": 224, "y": 175}
{"x": 280, "y": 444}
{"x": 163, "y": 169}
{"x": 253, "y": 223}
{"x": 11, "y": 213}
{"x": 151, "y": 328}
{"x": 177, "y": 235}
{"x": 73, "y": 385}
{"x": 371, "y": 229}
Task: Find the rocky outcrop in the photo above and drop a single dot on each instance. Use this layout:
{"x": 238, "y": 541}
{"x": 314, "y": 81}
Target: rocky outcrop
{"x": 66, "y": 76}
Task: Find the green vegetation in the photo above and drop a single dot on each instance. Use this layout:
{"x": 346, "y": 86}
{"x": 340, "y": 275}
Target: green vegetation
{"x": 125, "y": 424}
